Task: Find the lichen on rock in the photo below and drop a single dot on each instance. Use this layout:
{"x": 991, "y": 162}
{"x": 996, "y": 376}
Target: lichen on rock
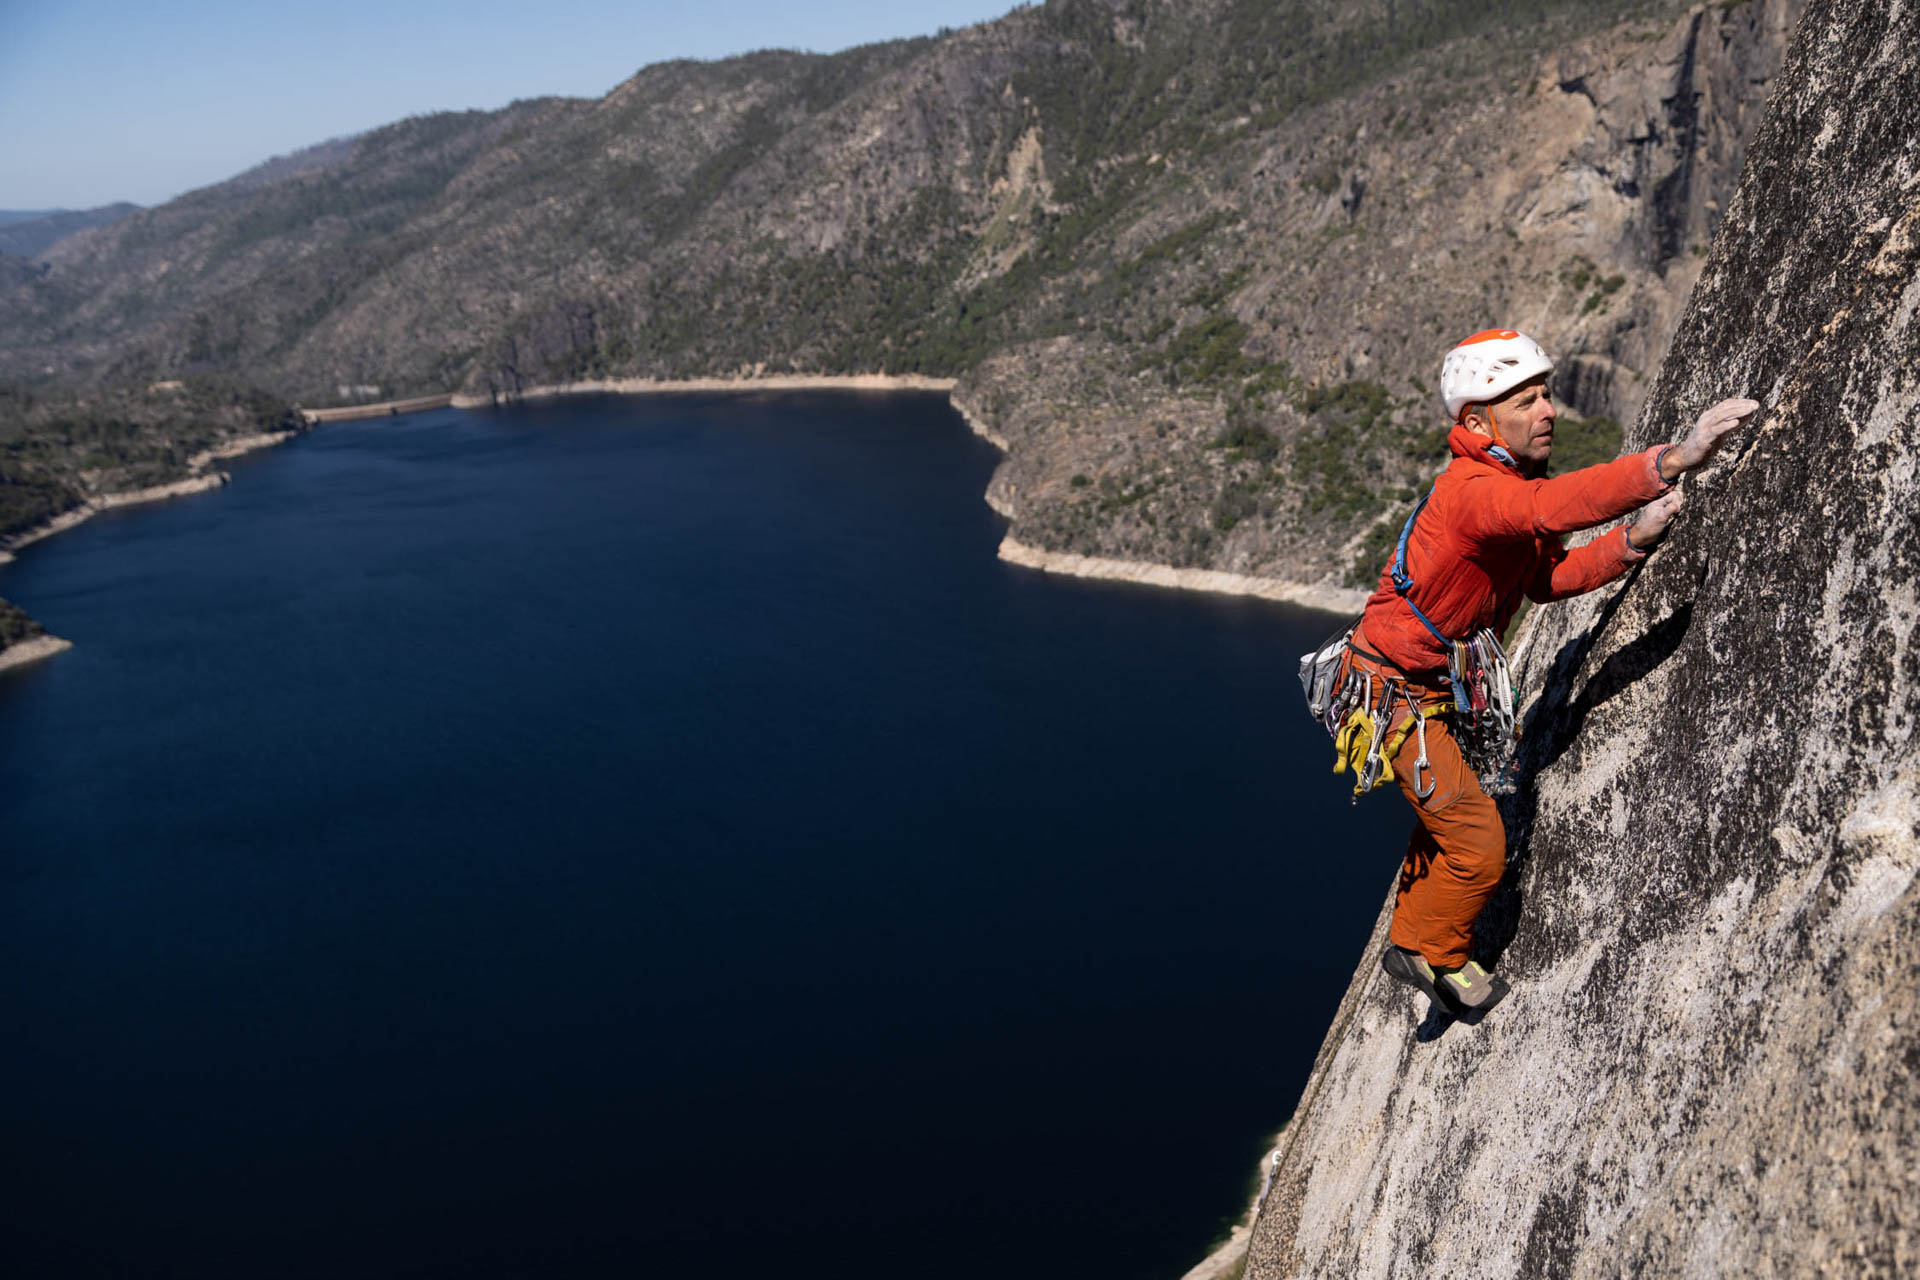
{"x": 1711, "y": 916}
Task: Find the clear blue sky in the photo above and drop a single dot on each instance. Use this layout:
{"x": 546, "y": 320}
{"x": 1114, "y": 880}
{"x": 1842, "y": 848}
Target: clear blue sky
{"x": 104, "y": 100}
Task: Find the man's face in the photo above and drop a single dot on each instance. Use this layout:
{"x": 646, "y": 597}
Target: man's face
{"x": 1523, "y": 421}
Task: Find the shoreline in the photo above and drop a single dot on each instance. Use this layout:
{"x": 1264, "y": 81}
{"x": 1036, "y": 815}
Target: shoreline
{"x": 1327, "y": 599}
{"x": 1341, "y": 600}
{"x": 1224, "y": 1261}
{"x": 198, "y": 481}
{"x": 239, "y": 445}
{"x": 1149, "y": 573}
{"x": 980, "y": 429}
{"x": 680, "y": 386}
{"x": 106, "y": 502}
{"x": 631, "y": 387}
{"x": 41, "y": 646}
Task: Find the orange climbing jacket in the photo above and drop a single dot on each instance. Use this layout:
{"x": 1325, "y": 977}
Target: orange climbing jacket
{"x": 1428, "y": 642}
{"x": 1485, "y": 536}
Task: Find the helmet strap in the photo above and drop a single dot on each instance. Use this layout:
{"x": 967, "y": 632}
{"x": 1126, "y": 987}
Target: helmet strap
{"x": 1497, "y": 448}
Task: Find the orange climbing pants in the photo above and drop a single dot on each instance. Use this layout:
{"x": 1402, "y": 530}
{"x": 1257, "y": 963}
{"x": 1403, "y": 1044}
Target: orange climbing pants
{"x": 1456, "y": 856}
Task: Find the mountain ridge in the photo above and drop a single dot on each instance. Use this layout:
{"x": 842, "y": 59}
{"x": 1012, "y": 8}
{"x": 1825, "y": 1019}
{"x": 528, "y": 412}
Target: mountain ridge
{"x": 27, "y": 233}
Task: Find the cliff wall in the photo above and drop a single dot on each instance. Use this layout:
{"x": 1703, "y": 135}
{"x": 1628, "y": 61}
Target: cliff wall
{"x": 1711, "y": 919}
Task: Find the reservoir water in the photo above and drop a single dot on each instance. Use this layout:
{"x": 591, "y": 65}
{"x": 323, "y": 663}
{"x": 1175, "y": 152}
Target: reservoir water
{"x": 649, "y": 836}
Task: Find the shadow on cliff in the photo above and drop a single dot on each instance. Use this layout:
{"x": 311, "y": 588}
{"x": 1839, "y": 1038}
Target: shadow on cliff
{"x": 1437, "y": 1021}
{"x": 1551, "y": 728}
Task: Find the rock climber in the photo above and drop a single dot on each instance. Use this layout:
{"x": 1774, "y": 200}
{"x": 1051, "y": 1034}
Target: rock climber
{"x": 1423, "y": 668}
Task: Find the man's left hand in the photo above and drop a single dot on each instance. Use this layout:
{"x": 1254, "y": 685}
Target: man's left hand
{"x": 1650, "y": 525}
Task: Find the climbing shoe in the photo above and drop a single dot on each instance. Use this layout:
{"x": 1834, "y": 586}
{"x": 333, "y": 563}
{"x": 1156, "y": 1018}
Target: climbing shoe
{"x": 1468, "y": 989}
{"x": 1412, "y": 968}
{"x": 1472, "y": 988}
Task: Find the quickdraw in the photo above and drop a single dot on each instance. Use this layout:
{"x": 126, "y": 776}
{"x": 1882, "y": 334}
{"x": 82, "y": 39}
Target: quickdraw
{"x": 1371, "y": 717}
{"x": 1480, "y": 664}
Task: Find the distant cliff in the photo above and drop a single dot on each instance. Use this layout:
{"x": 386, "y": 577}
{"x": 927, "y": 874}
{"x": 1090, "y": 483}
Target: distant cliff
{"x": 1708, "y": 1066}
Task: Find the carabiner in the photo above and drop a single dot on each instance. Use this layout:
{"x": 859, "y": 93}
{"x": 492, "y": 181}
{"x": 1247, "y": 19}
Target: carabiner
{"x": 1420, "y": 765}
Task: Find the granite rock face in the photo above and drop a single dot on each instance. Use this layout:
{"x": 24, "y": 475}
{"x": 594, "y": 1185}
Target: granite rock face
{"x": 1708, "y": 1065}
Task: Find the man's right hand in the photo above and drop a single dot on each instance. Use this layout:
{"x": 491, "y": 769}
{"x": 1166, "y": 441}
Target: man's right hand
{"x": 1704, "y": 440}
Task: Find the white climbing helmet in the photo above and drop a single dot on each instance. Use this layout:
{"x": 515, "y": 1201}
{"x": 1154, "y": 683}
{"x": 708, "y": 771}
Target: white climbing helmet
{"x": 1487, "y": 366}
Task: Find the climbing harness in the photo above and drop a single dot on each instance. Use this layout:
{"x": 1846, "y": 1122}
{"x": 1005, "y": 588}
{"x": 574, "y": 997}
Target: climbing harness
{"x": 1361, "y": 707}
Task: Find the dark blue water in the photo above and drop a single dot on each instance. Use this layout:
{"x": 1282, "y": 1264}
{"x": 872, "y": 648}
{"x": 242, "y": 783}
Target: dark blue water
{"x": 648, "y": 836}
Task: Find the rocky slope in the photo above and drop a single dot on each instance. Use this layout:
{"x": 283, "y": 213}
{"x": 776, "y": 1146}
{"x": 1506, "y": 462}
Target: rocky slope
{"x": 1708, "y": 1065}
